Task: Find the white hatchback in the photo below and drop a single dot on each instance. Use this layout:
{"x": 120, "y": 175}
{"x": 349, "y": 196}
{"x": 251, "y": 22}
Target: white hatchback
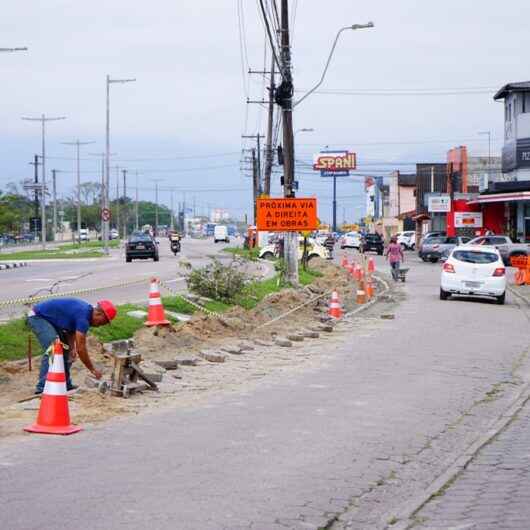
{"x": 351, "y": 240}
{"x": 474, "y": 270}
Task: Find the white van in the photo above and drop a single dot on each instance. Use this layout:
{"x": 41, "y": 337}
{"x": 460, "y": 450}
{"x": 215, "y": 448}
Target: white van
{"x": 84, "y": 234}
{"x": 220, "y": 233}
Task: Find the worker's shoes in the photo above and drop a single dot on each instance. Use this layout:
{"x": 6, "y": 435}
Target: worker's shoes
{"x": 38, "y": 392}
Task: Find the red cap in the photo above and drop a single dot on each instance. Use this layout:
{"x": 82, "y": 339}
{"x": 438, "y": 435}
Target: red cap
{"x": 108, "y": 308}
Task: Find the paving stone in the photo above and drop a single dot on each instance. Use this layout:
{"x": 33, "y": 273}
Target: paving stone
{"x": 168, "y": 365}
{"x": 213, "y": 357}
{"x": 282, "y": 342}
{"x": 295, "y": 338}
{"x": 187, "y": 361}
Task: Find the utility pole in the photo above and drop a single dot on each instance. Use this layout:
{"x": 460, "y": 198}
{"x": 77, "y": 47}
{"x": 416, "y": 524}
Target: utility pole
{"x": 125, "y": 206}
{"x": 257, "y": 188}
{"x": 54, "y": 183}
{"x": 77, "y": 144}
{"x": 35, "y": 165}
{"x": 118, "y": 200}
{"x": 136, "y": 204}
{"x": 269, "y": 148}
{"x": 43, "y": 119}
{"x": 286, "y": 102}
{"x": 106, "y": 224}
{"x": 156, "y": 181}
{"x": 172, "y": 212}
{"x": 104, "y": 190}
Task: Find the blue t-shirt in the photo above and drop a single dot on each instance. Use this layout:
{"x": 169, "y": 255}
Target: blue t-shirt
{"x": 68, "y": 314}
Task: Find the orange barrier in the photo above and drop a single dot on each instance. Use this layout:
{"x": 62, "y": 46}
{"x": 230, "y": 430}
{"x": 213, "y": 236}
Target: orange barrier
{"x": 335, "y": 309}
{"x": 344, "y": 262}
{"x": 54, "y": 415}
{"x": 371, "y": 265}
{"x": 155, "y": 313}
{"x": 522, "y": 263}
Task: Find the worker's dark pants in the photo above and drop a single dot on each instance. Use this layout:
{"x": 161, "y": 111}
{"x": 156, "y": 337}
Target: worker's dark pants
{"x": 46, "y": 335}
{"x": 395, "y": 270}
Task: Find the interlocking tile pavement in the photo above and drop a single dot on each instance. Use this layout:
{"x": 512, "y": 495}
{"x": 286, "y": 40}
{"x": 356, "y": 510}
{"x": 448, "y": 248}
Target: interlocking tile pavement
{"x": 493, "y": 492}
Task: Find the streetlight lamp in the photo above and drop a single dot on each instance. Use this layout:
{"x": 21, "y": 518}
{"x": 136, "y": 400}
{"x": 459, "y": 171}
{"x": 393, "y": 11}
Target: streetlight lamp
{"x": 105, "y": 224}
{"x": 353, "y": 27}
{"x": 77, "y": 144}
{"x": 488, "y": 133}
{"x": 43, "y": 119}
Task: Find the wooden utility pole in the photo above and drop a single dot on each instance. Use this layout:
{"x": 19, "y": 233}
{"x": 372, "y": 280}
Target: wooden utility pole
{"x": 285, "y": 100}
{"x": 269, "y": 147}
{"x": 125, "y": 206}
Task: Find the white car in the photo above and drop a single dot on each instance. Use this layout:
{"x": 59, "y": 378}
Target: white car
{"x": 314, "y": 250}
{"x": 220, "y": 233}
{"x": 351, "y": 240}
{"x": 474, "y": 270}
{"x": 407, "y": 240}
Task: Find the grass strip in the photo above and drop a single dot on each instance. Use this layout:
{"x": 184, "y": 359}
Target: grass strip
{"x": 250, "y": 254}
{"x": 51, "y": 254}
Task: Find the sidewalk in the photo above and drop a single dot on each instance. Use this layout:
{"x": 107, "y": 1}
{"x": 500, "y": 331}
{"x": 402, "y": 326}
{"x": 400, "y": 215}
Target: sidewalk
{"x": 522, "y": 290}
{"x": 492, "y": 493}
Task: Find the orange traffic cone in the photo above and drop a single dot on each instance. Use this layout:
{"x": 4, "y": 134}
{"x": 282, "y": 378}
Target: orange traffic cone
{"x": 54, "y": 416}
{"x": 344, "y": 262}
{"x": 369, "y": 288}
{"x": 335, "y": 309}
{"x": 371, "y": 265}
{"x": 155, "y": 312}
{"x": 361, "y": 294}
{"x": 520, "y": 277}
{"x": 359, "y": 273}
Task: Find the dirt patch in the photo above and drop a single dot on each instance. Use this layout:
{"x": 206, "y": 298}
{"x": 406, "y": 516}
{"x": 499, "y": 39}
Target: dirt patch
{"x": 191, "y": 383}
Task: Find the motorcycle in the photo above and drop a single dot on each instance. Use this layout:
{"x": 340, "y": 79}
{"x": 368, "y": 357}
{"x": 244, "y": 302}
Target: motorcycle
{"x": 174, "y": 243}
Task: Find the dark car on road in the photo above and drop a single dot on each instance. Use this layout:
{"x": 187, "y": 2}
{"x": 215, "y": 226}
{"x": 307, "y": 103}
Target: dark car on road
{"x": 141, "y": 246}
{"x": 434, "y": 248}
{"x": 374, "y": 243}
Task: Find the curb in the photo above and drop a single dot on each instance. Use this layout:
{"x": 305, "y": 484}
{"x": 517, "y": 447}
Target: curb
{"x": 12, "y": 265}
{"x": 519, "y": 295}
{"x": 405, "y": 516}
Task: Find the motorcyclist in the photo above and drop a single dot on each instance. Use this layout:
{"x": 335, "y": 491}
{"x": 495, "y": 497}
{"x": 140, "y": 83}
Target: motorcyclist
{"x": 174, "y": 241}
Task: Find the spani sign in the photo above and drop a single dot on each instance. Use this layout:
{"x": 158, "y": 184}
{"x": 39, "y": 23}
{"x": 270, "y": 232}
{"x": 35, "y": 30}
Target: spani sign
{"x": 334, "y": 162}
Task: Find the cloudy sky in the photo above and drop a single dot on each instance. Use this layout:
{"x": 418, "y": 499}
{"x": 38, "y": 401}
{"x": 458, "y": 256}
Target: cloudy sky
{"x": 183, "y": 118}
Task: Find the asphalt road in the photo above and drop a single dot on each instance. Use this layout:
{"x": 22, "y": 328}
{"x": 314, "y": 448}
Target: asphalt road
{"x": 380, "y": 411}
{"x": 101, "y": 272}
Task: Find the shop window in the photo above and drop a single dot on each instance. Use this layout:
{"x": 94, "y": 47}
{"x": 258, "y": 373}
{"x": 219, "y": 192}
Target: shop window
{"x": 525, "y": 98}
{"x": 527, "y": 210}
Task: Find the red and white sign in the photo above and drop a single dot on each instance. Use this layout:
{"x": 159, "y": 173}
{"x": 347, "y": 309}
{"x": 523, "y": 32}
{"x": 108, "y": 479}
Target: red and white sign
{"x": 468, "y": 220}
{"x": 335, "y": 162}
{"x": 105, "y": 214}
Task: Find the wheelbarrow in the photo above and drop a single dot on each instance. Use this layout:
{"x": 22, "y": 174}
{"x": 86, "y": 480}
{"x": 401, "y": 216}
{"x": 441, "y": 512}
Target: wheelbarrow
{"x": 402, "y": 274}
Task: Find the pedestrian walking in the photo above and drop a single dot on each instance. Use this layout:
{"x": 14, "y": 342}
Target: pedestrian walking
{"x": 394, "y": 255}
{"x": 68, "y": 319}
{"x": 329, "y": 243}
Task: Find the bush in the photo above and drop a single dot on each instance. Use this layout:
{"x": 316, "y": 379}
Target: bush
{"x": 217, "y": 281}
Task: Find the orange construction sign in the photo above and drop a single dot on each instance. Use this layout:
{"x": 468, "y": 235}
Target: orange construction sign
{"x": 287, "y": 215}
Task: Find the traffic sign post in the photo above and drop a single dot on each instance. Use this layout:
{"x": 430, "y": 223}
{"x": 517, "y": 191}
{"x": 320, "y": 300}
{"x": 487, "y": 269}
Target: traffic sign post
{"x": 105, "y": 215}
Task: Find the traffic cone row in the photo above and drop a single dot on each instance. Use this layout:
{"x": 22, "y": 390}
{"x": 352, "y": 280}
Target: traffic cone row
{"x": 155, "y": 313}
{"x": 54, "y": 415}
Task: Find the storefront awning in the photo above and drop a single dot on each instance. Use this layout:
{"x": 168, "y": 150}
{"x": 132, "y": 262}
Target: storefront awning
{"x": 421, "y": 217}
{"x": 502, "y": 197}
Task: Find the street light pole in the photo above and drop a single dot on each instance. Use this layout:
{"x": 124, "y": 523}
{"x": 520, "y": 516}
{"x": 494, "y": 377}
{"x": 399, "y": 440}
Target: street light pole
{"x": 77, "y": 145}
{"x": 43, "y": 119}
{"x": 106, "y": 224}
{"x": 156, "y": 181}
{"x": 489, "y": 151}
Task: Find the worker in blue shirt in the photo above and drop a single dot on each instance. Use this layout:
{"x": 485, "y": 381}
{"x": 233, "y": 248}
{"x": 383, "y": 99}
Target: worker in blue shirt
{"x": 68, "y": 319}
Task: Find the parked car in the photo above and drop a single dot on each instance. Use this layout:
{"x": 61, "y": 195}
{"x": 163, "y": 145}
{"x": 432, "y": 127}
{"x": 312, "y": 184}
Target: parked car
{"x": 114, "y": 234}
{"x": 351, "y": 240}
{"x": 373, "y": 242}
{"x": 407, "y": 240}
{"x": 428, "y": 235}
{"x": 314, "y": 249}
{"x": 141, "y": 246}
{"x": 84, "y": 234}
{"x": 220, "y": 233}
{"x": 474, "y": 270}
{"x": 434, "y": 248}
{"x": 506, "y": 247}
